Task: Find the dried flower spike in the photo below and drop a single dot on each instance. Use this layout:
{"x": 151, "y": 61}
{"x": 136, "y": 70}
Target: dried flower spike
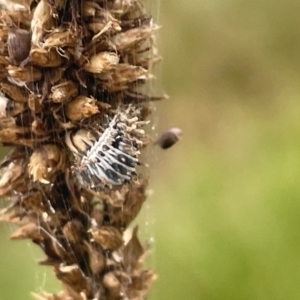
{"x": 108, "y": 157}
{"x": 74, "y": 107}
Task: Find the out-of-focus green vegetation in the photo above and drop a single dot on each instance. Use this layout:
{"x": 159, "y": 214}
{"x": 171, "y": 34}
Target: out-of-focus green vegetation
{"x": 226, "y": 202}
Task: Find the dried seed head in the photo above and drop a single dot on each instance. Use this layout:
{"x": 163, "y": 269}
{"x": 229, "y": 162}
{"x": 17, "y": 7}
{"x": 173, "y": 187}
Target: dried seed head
{"x": 9, "y": 108}
{"x": 90, "y": 8}
{"x": 18, "y": 4}
{"x": 133, "y": 251}
{"x": 121, "y": 76}
{"x": 63, "y": 92}
{"x": 73, "y": 231}
{"x": 19, "y": 15}
{"x": 18, "y": 44}
{"x": 120, "y": 211}
{"x": 99, "y": 27}
{"x": 45, "y": 162}
{"x": 101, "y": 62}
{"x": 34, "y": 103}
{"x": 38, "y": 127}
{"x": 131, "y": 37}
{"x": 122, "y": 7}
{"x": 3, "y": 105}
{"x": 113, "y": 285}
{"x": 45, "y": 58}
{"x": 76, "y": 208}
{"x": 29, "y": 230}
{"x": 10, "y": 132}
{"x": 33, "y": 201}
{"x": 102, "y": 21}
{"x": 74, "y": 279}
{"x": 110, "y": 238}
{"x": 80, "y": 141}
{"x": 168, "y": 138}
{"x": 4, "y": 62}
{"x": 9, "y": 176}
{"x": 21, "y": 76}
{"x": 61, "y": 37}
{"x": 14, "y": 92}
{"x": 81, "y": 107}
{"x": 41, "y": 21}
{"x": 97, "y": 260}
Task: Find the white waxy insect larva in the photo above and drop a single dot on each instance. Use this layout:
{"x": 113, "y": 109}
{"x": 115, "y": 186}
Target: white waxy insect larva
{"x": 119, "y": 162}
{"x": 108, "y": 166}
{"x": 112, "y": 158}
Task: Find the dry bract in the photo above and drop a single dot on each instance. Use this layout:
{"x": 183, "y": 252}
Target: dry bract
{"x": 29, "y": 230}
{"x": 20, "y": 16}
{"x": 33, "y": 201}
{"x": 112, "y": 284}
{"x": 21, "y": 4}
{"x": 74, "y": 279}
{"x": 97, "y": 260}
{"x": 3, "y": 106}
{"x": 73, "y": 231}
{"x": 10, "y": 174}
{"x": 18, "y": 44}
{"x": 38, "y": 127}
{"x": 81, "y": 107}
{"x": 34, "y": 103}
{"x": 130, "y": 37}
{"x": 14, "y": 92}
{"x": 10, "y": 132}
{"x": 10, "y": 108}
{"x": 3, "y": 60}
{"x": 123, "y": 207}
{"x": 45, "y": 162}
{"x": 110, "y": 238}
{"x": 121, "y": 76}
{"x": 99, "y": 28}
{"x": 41, "y": 21}
{"x": 133, "y": 251}
{"x": 101, "y": 62}
{"x": 60, "y": 38}
{"x": 63, "y": 92}
{"x": 21, "y": 76}
{"x": 89, "y": 8}
{"x": 101, "y": 20}
{"x": 122, "y": 7}
{"x": 45, "y": 58}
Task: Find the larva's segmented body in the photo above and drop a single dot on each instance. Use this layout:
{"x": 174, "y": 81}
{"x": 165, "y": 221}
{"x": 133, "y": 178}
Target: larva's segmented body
{"x": 108, "y": 157}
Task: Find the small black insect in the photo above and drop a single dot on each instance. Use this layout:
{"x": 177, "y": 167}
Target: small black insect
{"x": 168, "y": 138}
{"x": 109, "y": 157}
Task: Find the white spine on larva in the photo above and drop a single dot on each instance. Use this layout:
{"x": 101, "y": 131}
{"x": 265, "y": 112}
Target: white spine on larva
{"x": 111, "y": 158}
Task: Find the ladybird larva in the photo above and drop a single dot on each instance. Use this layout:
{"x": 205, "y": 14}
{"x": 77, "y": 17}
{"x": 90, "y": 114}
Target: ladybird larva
{"x": 108, "y": 156}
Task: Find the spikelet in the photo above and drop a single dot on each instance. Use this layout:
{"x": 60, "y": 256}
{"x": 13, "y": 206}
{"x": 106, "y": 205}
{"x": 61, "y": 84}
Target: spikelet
{"x": 74, "y": 108}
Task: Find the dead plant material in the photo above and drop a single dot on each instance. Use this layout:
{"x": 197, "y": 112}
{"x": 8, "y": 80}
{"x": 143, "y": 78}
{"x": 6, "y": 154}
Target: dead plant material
{"x": 74, "y": 108}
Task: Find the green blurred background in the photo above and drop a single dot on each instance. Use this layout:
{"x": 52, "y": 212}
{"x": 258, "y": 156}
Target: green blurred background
{"x": 225, "y": 210}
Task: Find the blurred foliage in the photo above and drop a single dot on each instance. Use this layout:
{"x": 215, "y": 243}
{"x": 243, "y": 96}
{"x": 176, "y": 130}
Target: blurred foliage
{"x": 225, "y": 212}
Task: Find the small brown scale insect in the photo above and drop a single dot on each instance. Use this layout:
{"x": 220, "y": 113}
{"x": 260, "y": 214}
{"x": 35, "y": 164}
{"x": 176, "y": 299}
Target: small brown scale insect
{"x": 168, "y": 138}
{"x": 108, "y": 158}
